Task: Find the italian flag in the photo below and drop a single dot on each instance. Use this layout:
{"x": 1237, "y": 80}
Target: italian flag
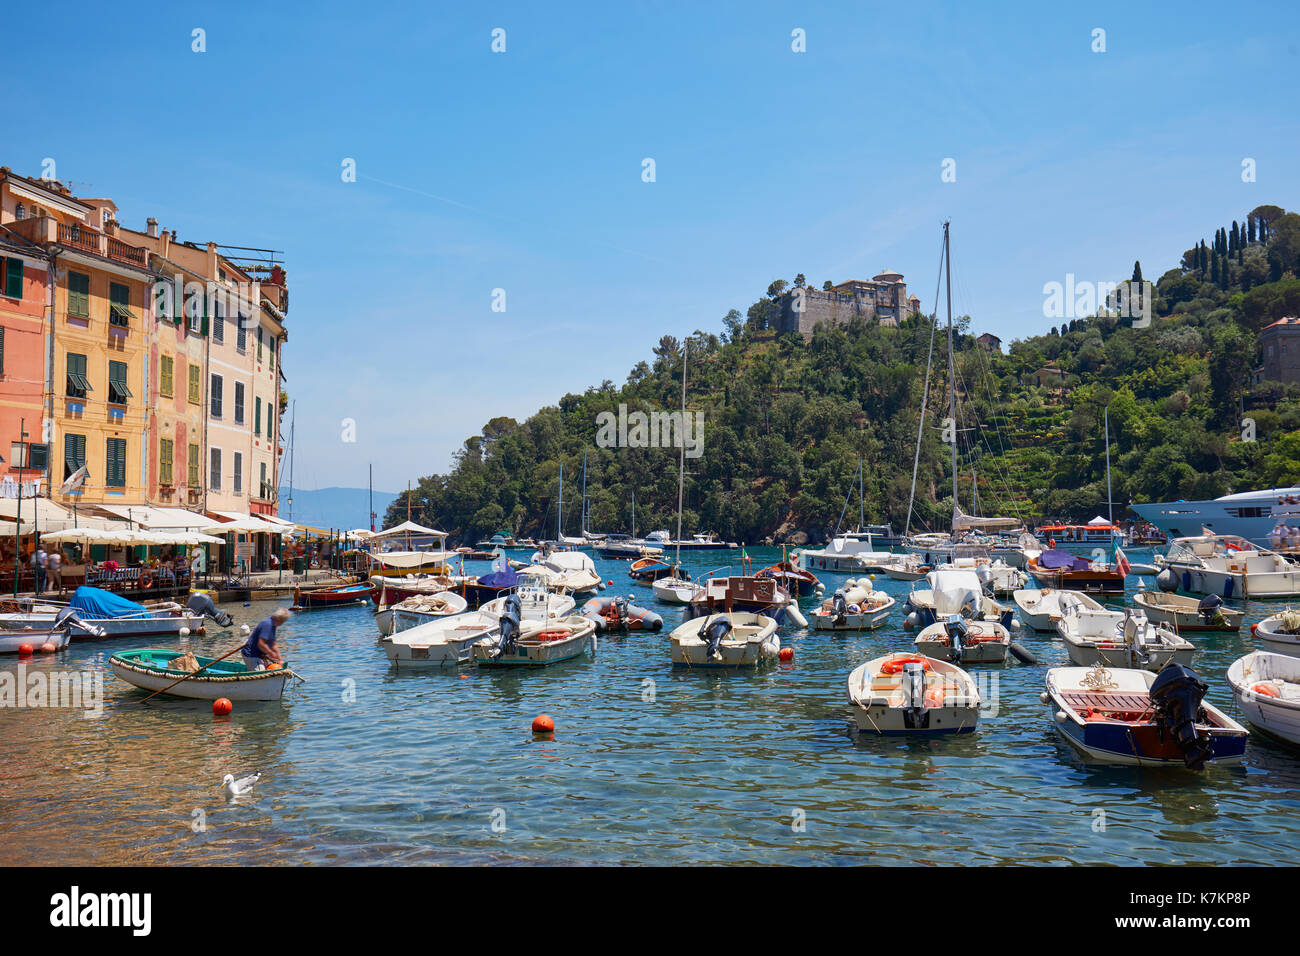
{"x": 1121, "y": 561}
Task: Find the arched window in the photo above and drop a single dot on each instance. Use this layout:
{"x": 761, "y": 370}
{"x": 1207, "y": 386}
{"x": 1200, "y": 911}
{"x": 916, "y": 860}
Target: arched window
{"x": 20, "y": 211}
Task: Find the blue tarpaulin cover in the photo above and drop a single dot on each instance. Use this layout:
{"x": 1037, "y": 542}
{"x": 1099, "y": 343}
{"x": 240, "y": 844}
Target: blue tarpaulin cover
{"x": 1062, "y": 559}
{"x": 500, "y": 579}
{"x": 98, "y": 604}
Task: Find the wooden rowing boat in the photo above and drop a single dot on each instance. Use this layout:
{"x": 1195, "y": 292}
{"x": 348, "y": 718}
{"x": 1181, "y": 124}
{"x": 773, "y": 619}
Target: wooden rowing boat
{"x": 1184, "y": 612}
{"x": 338, "y": 596}
{"x": 149, "y": 670}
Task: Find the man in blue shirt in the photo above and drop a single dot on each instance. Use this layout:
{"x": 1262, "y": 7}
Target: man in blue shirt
{"x": 261, "y": 643}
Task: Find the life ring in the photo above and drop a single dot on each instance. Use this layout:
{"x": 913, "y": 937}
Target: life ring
{"x": 895, "y": 666}
{"x": 548, "y": 636}
{"x": 1051, "y": 543}
{"x": 146, "y": 581}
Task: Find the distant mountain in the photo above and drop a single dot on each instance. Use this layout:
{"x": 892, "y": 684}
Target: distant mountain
{"x": 344, "y": 508}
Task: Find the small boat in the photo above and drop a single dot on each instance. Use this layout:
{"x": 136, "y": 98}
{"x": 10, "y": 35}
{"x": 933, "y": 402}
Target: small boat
{"x": 1118, "y": 638}
{"x": 103, "y": 614}
{"x": 852, "y": 551}
{"x": 1231, "y": 566}
{"x": 964, "y": 641}
{"x": 948, "y": 592}
{"x": 442, "y": 642}
{"x": 746, "y": 593}
{"x": 57, "y": 635}
{"x": 418, "y": 610}
{"x": 794, "y": 580}
{"x": 1280, "y": 633}
{"x": 1040, "y": 610}
{"x": 537, "y": 643}
{"x": 1267, "y": 689}
{"x": 907, "y": 567}
{"x": 535, "y": 600}
{"x": 1065, "y": 571}
{"x": 340, "y": 595}
{"x": 649, "y": 569}
{"x": 854, "y": 607}
{"x": 912, "y": 694}
{"x": 618, "y": 546}
{"x": 390, "y": 591}
{"x": 620, "y": 614}
{"x": 676, "y": 589}
{"x": 574, "y": 571}
{"x": 739, "y": 639}
{"x": 148, "y": 669}
{"x": 30, "y": 614}
{"x": 1135, "y": 717}
{"x": 1188, "y": 614}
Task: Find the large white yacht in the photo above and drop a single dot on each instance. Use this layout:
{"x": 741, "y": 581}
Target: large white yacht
{"x": 1247, "y": 514}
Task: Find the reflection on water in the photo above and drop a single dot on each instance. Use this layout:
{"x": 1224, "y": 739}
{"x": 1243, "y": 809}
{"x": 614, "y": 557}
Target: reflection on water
{"x": 364, "y": 764}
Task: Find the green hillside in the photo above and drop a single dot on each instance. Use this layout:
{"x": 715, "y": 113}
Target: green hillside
{"x": 787, "y": 420}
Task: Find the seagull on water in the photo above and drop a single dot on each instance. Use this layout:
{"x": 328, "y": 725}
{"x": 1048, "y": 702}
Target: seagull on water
{"x": 235, "y": 787}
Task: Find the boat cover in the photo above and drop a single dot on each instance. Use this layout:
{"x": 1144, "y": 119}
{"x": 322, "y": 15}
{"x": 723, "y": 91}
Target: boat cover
{"x": 1051, "y": 560}
{"x": 500, "y": 579}
{"x": 98, "y": 604}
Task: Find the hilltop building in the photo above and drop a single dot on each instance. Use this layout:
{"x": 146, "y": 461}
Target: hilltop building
{"x": 1280, "y": 342}
{"x": 883, "y": 299}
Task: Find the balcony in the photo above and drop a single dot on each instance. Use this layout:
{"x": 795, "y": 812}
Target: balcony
{"x": 76, "y": 236}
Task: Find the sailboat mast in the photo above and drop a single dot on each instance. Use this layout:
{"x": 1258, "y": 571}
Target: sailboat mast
{"x": 372, "y": 498}
{"x": 952, "y": 373}
{"x": 1110, "y": 506}
{"x": 681, "y": 467}
{"x": 584, "y": 493}
{"x": 559, "y": 509}
{"x": 861, "y": 506}
{"x": 293, "y": 418}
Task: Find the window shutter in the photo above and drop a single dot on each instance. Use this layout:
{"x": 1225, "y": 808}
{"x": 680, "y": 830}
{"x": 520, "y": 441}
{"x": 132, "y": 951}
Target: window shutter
{"x": 2, "y": 350}
{"x": 14, "y": 278}
{"x": 257, "y": 416}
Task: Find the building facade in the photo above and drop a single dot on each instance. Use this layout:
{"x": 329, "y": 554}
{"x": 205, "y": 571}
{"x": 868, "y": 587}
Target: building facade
{"x": 24, "y": 300}
{"x": 1280, "y": 343}
{"x": 884, "y": 300}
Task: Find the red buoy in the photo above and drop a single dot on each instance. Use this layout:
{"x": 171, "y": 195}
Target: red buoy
{"x": 222, "y": 706}
{"x": 542, "y": 724}
{"x": 1252, "y": 629}
{"x": 24, "y": 650}
{"x": 611, "y": 583}
{"x": 48, "y": 648}
{"x": 786, "y": 654}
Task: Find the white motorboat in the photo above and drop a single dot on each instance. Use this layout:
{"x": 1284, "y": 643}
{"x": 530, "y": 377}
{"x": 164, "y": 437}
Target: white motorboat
{"x": 907, "y": 567}
{"x": 537, "y": 643}
{"x": 1266, "y": 687}
{"x": 996, "y": 576}
{"x": 949, "y": 592}
{"x": 855, "y": 607}
{"x": 104, "y": 614}
{"x": 1230, "y": 567}
{"x": 738, "y": 639}
{"x": 574, "y": 571}
{"x": 1124, "y": 639}
{"x": 1135, "y": 717}
{"x": 1040, "y": 610}
{"x": 441, "y": 642}
{"x": 958, "y": 639}
{"x": 537, "y": 601}
{"x": 1188, "y": 614}
{"x": 676, "y": 590}
{"x": 421, "y": 609}
{"x": 1280, "y": 633}
{"x": 912, "y": 694}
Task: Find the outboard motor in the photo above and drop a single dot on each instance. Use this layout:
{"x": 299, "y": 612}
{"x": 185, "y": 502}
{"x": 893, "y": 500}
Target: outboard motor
{"x": 712, "y": 635}
{"x": 202, "y": 604}
{"x": 1208, "y": 609}
{"x": 620, "y": 612}
{"x": 509, "y": 625}
{"x": 957, "y": 632}
{"x": 68, "y": 620}
{"x": 915, "y": 716}
{"x": 1176, "y": 696}
{"x": 840, "y": 608}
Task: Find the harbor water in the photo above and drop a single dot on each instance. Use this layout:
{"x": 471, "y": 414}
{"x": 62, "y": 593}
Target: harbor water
{"x": 362, "y": 764}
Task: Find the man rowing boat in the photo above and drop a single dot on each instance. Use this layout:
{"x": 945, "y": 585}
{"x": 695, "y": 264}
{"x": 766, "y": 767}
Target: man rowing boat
{"x": 261, "y": 643}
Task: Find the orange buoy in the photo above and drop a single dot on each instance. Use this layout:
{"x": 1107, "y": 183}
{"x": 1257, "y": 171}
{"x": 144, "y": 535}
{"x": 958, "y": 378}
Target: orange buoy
{"x": 542, "y": 724}
{"x": 24, "y": 650}
{"x": 611, "y": 582}
{"x": 786, "y": 654}
{"x": 222, "y": 706}
{"x": 48, "y": 647}
{"x": 1252, "y": 629}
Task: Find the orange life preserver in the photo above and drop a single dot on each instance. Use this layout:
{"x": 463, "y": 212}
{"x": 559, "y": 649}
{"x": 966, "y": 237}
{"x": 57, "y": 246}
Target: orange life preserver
{"x": 146, "y": 580}
{"x": 895, "y": 666}
{"x": 547, "y": 636}
{"x": 1051, "y": 542}
{"x": 1266, "y": 690}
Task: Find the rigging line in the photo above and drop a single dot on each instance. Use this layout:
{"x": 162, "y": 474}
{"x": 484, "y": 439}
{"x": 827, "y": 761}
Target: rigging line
{"x": 995, "y": 463}
{"x": 925, "y": 394}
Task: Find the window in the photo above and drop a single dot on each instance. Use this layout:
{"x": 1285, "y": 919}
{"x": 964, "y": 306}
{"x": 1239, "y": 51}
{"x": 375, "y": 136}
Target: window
{"x": 74, "y": 454}
{"x": 214, "y": 470}
{"x": 218, "y": 321}
{"x": 20, "y": 212}
{"x": 193, "y": 462}
{"x": 196, "y": 309}
{"x": 165, "y": 461}
{"x": 79, "y": 294}
{"x": 266, "y": 485}
{"x": 13, "y": 278}
{"x": 118, "y": 393}
{"x": 259, "y": 343}
{"x": 257, "y": 416}
{"x": 239, "y": 474}
{"x": 28, "y": 455}
{"x": 214, "y": 393}
{"x": 241, "y": 334}
{"x": 115, "y": 463}
{"x": 239, "y": 403}
{"x": 167, "y": 375}
{"x": 119, "y": 304}
{"x": 195, "y": 396}
{"x": 78, "y": 384}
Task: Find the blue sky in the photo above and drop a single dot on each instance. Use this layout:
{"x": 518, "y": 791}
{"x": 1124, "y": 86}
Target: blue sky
{"x": 522, "y": 171}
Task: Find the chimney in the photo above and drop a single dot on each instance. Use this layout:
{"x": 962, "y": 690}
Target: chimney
{"x": 151, "y": 227}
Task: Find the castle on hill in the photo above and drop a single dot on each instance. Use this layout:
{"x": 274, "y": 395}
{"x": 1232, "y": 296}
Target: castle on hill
{"x": 883, "y": 299}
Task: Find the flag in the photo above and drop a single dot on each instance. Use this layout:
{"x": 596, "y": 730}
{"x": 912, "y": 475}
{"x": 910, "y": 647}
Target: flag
{"x": 1121, "y": 562}
{"x": 1207, "y": 532}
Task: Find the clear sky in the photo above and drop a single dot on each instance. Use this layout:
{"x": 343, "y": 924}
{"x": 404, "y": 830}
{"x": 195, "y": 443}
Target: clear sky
{"x": 523, "y": 170}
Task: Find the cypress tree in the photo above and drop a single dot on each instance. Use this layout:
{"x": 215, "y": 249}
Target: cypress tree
{"x": 1250, "y": 227}
{"x": 1137, "y": 271}
{"x": 1234, "y": 238}
{"x": 1214, "y": 269}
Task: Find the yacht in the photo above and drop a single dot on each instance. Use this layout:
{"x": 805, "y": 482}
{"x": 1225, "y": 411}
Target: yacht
{"x": 1247, "y": 514}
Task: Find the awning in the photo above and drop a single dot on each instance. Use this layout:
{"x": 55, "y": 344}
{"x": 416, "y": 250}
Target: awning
{"x": 408, "y": 527}
{"x": 410, "y": 559}
{"x": 242, "y": 524}
{"x": 147, "y": 516}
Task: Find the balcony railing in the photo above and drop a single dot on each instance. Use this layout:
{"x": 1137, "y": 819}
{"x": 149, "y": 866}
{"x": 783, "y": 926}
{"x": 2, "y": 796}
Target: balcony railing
{"x": 79, "y": 237}
{"x": 83, "y": 237}
{"x": 117, "y": 249}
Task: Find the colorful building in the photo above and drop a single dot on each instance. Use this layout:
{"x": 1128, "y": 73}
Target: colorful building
{"x": 24, "y": 301}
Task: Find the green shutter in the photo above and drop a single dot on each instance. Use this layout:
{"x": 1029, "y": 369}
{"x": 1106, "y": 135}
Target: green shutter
{"x": 14, "y": 278}
{"x": 78, "y": 294}
{"x": 257, "y": 415}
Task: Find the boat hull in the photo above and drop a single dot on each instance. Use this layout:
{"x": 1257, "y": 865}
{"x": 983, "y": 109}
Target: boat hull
{"x": 530, "y": 652}
{"x": 877, "y": 701}
{"x": 1275, "y": 716}
{"x": 752, "y": 642}
{"x": 251, "y": 685}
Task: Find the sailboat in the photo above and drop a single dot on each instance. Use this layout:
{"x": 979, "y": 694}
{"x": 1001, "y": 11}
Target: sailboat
{"x": 676, "y": 587}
